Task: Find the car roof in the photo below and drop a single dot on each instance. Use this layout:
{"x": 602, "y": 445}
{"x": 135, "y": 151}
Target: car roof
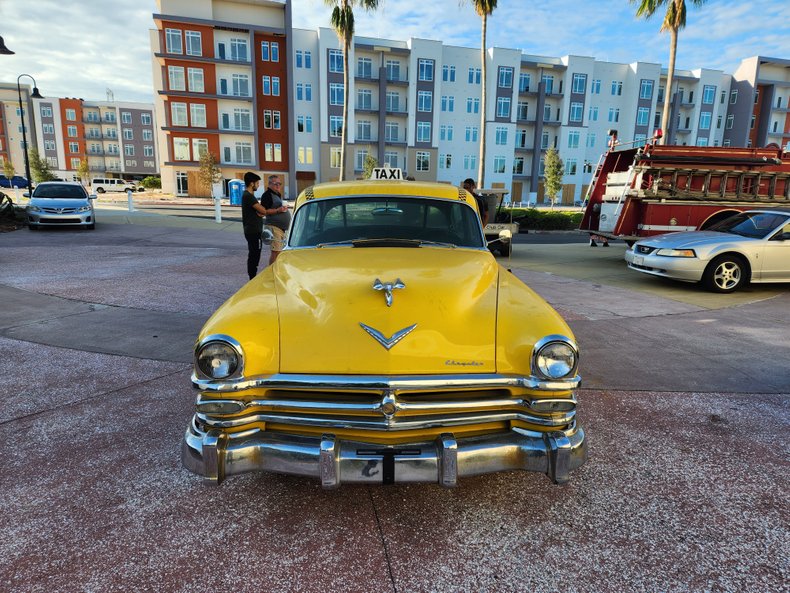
{"x": 779, "y": 210}
{"x": 60, "y": 183}
{"x": 400, "y": 189}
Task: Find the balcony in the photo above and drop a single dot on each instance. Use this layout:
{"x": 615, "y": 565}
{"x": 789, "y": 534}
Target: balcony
{"x": 236, "y": 130}
{"x": 398, "y": 77}
{"x": 98, "y": 152}
{"x": 552, "y": 122}
{"x": 366, "y": 77}
{"x": 367, "y": 138}
{"x": 397, "y": 110}
{"x": 683, "y": 130}
{"x": 366, "y": 107}
{"x": 524, "y": 148}
{"x": 525, "y": 120}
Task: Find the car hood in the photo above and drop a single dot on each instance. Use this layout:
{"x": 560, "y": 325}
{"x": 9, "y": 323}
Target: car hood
{"x": 59, "y": 202}
{"x": 693, "y": 240}
{"x": 447, "y": 309}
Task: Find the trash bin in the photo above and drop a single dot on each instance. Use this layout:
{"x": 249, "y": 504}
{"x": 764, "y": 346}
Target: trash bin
{"x": 235, "y": 189}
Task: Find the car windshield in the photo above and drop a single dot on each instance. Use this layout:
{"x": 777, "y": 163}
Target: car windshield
{"x": 756, "y": 225}
{"x": 375, "y": 221}
{"x": 60, "y": 191}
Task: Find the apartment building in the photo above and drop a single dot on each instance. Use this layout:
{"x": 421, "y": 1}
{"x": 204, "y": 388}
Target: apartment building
{"x": 222, "y": 84}
{"x": 12, "y": 147}
{"x": 116, "y": 138}
{"x": 759, "y": 104}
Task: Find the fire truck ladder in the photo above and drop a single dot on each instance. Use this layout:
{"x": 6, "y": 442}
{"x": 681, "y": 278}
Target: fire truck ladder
{"x": 594, "y": 179}
{"x": 632, "y": 172}
{"x": 672, "y": 182}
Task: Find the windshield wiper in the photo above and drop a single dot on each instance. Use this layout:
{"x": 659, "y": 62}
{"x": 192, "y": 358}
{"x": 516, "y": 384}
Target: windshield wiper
{"x": 397, "y": 242}
{"x": 335, "y": 243}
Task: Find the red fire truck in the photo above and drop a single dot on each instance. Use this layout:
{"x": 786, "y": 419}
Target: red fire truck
{"x": 652, "y": 189}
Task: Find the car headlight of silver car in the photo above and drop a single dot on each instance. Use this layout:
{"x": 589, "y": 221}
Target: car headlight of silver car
{"x": 555, "y": 357}
{"x": 676, "y": 252}
{"x": 84, "y": 209}
{"x": 34, "y": 209}
{"x": 218, "y": 357}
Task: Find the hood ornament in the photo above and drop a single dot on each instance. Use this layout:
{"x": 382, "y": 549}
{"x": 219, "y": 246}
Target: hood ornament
{"x": 388, "y": 288}
{"x": 385, "y": 341}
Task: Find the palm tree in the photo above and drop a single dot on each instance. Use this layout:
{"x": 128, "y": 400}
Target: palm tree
{"x": 483, "y": 8}
{"x": 674, "y": 21}
{"x": 342, "y": 21}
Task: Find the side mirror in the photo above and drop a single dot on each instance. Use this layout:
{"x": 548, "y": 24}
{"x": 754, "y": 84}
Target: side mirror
{"x": 26, "y": 195}
{"x": 505, "y": 236}
{"x": 92, "y": 197}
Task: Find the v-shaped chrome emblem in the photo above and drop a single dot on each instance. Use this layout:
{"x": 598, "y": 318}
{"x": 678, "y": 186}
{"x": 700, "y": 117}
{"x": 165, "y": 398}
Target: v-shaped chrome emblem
{"x": 388, "y": 287}
{"x": 388, "y": 342}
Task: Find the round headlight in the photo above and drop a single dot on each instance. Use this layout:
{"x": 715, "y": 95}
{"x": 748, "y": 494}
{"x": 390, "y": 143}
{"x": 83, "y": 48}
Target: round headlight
{"x": 217, "y": 360}
{"x": 556, "y": 360}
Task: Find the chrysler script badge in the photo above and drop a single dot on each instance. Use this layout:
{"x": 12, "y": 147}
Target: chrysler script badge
{"x": 388, "y": 342}
{"x": 388, "y": 288}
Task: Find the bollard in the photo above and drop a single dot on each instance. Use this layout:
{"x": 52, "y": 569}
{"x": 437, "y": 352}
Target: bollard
{"x": 129, "y": 199}
{"x": 217, "y": 210}
{"x": 16, "y": 194}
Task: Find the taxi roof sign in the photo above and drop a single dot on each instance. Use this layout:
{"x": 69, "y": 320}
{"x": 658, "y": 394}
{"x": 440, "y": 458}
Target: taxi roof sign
{"x": 385, "y": 173}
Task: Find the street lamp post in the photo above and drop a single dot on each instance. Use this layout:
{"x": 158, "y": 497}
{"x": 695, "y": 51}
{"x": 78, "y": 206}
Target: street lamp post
{"x": 35, "y": 95}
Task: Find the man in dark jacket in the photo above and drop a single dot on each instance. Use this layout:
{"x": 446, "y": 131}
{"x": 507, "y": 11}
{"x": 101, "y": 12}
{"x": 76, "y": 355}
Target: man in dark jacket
{"x": 278, "y": 219}
{"x": 482, "y": 205}
{"x": 252, "y": 214}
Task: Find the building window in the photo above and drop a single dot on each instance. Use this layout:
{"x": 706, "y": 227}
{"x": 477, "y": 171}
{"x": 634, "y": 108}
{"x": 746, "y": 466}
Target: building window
{"x": 197, "y": 115}
{"x": 708, "y": 94}
{"x": 71, "y": 115}
{"x": 548, "y": 83}
{"x": 393, "y": 70}
{"x": 591, "y": 140}
{"x": 752, "y": 121}
{"x": 175, "y": 75}
{"x": 614, "y": 114}
{"x": 704, "y": 120}
{"x": 502, "y": 107}
{"x": 448, "y": 103}
{"x": 425, "y": 70}
{"x": 595, "y": 87}
{"x": 499, "y": 164}
{"x": 336, "y": 93}
{"x": 361, "y": 155}
{"x": 505, "y": 77}
{"x": 577, "y": 112}
{"x": 518, "y": 165}
{"x": 471, "y": 133}
{"x": 470, "y": 162}
{"x": 424, "y": 101}
{"x": 592, "y": 113}
{"x": 199, "y": 148}
{"x": 392, "y": 102}
{"x": 733, "y": 96}
{"x": 128, "y": 134}
{"x": 336, "y": 126}
{"x": 573, "y": 139}
{"x": 523, "y": 82}
{"x": 196, "y": 83}
{"x": 474, "y": 75}
{"x": 178, "y": 114}
{"x": 238, "y": 49}
{"x": 305, "y": 155}
{"x": 194, "y": 43}
{"x": 391, "y": 131}
{"x": 521, "y": 138}
{"x": 617, "y": 87}
{"x": 126, "y": 117}
{"x": 365, "y": 68}
{"x": 128, "y": 149}
{"x": 71, "y": 131}
{"x": 304, "y": 123}
{"x": 265, "y": 54}
{"x": 49, "y": 145}
{"x": 423, "y": 160}
{"x": 173, "y": 41}
{"x": 391, "y": 159}
{"x": 241, "y": 85}
{"x": 243, "y": 153}
{"x": 334, "y": 157}
{"x": 445, "y": 161}
{"x": 643, "y": 116}
{"x": 304, "y": 59}
{"x": 74, "y": 147}
{"x": 364, "y": 130}
{"x": 304, "y": 92}
{"x": 267, "y": 119}
{"x": 570, "y": 166}
{"x": 546, "y": 112}
{"x": 364, "y": 99}
{"x": 730, "y": 122}
{"x": 145, "y": 119}
{"x": 148, "y": 135}
{"x": 702, "y": 141}
{"x": 501, "y": 136}
{"x": 472, "y": 105}
{"x": 335, "y": 60}
{"x": 448, "y": 73}
{"x": 266, "y": 84}
{"x": 275, "y": 58}
{"x": 46, "y": 112}
{"x": 646, "y": 89}
{"x": 522, "y": 110}
{"x": 544, "y": 140}
{"x": 423, "y": 131}
{"x": 718, "y": 122}
{"x": 579, "y": 84}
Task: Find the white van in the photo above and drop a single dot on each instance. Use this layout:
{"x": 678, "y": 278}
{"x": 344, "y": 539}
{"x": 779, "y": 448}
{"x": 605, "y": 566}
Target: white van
{"x": 105, "y": 184}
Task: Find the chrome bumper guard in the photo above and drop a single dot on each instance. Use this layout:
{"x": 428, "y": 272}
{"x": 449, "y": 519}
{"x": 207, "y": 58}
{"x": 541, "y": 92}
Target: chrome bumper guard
{"x": 216, "y": 454}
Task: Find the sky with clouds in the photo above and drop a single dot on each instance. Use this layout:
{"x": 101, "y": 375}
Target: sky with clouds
{"x": 82, "y": 48}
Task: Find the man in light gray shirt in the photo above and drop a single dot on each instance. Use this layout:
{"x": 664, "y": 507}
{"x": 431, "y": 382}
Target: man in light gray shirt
{"x": 278, "y": 219}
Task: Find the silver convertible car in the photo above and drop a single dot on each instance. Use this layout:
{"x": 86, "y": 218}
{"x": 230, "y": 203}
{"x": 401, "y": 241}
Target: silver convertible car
{"x": 752, "y": 246}
{"x": 59, "y": 203}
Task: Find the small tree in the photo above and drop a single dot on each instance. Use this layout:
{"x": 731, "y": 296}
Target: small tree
{"x": 152, "y": 182}
{"x": 209, "y": 172}
{"x": 8, "y": 168}
{"x": 84, "y": 171}
{"x": 39, "y": 167}
{"x": 553, "y": 171}
{"x": 368, "y": 165}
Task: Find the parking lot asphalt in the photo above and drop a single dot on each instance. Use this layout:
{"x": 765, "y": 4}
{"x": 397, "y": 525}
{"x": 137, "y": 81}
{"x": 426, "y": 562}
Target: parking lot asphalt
{"x": 685, "y": 404}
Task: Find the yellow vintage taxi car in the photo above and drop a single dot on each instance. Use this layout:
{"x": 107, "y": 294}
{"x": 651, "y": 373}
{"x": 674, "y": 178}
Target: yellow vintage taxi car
{"x": 385, "y": 345}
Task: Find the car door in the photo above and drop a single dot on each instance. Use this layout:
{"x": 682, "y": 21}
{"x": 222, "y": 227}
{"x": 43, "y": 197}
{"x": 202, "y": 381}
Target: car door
{"x": 776, "y": 257}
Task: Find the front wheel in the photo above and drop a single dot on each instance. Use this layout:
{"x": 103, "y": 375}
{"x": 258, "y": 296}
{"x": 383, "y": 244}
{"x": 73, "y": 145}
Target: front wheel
{"x": 726, "y": 273}
{"x": 99, "y": 190}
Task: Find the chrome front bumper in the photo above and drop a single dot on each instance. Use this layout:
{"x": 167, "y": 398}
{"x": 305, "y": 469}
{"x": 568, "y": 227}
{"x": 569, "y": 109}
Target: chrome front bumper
{"x": 216, "y": 454}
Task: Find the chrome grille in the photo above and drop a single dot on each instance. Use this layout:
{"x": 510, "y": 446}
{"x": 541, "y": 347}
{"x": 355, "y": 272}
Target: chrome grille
{"x": 59, "y": 210}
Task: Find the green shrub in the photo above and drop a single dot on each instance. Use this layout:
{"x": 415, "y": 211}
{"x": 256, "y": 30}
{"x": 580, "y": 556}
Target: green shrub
{"x": 152, "y": 182}
{"x": 540, "y": 220}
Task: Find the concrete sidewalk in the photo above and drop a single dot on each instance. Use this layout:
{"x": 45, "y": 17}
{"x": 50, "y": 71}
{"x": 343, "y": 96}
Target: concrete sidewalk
{"x": 685, "y": 405}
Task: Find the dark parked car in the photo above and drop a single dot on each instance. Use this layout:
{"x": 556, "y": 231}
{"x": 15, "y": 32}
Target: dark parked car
{"x": 16, "y": 180}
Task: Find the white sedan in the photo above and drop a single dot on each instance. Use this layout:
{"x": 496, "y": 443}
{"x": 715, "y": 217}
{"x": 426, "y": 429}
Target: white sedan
{"x": 752, "y": 246}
